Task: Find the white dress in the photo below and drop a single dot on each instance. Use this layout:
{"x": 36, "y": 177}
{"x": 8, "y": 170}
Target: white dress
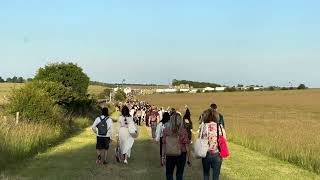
{"x": 125, "y": 139}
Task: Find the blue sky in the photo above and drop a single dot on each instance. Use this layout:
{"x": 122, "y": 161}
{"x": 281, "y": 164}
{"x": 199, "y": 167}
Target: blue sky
{"x": 144, "y": 41}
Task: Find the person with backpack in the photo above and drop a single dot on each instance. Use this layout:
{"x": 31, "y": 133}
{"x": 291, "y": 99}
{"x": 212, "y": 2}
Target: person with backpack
{"x": 125, "y": 139}
{"x": 154, "y": 119}
{"x": 102, "y": 126}
{"x": 211, "y": 130}
{"x": 176, "y": 147}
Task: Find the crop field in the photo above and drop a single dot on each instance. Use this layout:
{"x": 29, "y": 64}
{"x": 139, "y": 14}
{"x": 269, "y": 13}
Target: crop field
{"x": 282, "y": 124}
{"x": 5, "y": 89}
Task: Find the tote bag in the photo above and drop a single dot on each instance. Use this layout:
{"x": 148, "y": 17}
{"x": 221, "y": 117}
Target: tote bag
{"x": 201, "y": 145}
{"x": 222, "y": 143}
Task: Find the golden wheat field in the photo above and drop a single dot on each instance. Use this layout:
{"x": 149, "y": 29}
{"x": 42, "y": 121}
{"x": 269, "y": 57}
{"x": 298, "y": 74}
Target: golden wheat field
{"x": 283, "y": 124}
{"x": 5, "y": 89}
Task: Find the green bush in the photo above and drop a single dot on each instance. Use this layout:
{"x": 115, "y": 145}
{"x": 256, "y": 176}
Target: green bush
{"x": 120, "y": 95}
{"x": 34, "y": 104}
{"x": 302, "y": 86}
{"x": 59, "y": 93}
{"x": 105, "y": 94}
{"x": 68, "y": 74}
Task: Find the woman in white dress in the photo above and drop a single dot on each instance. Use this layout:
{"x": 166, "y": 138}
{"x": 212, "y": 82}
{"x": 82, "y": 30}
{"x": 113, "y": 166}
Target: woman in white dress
{"x": 125, "y": 139}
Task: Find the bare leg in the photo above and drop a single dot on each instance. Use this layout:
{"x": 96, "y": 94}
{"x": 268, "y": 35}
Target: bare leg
{"x": 105, "y": 155}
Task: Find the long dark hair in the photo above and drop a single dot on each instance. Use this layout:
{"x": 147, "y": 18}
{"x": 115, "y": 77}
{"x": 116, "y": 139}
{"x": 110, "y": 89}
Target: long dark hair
{"x": 125, "y": 111}
{"x": 165, "y": 117}
{"x": 187, "y": 115}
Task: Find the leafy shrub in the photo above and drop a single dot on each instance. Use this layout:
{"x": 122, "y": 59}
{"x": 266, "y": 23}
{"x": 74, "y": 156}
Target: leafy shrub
{"x": 34, "y": 104}
{"x": 68, "y": 74}
{"x": 230, "y": 89}
{"x": 105, "y": 94}
{"x": 59, "y": 93}
{"x": 302, "y": 86}
{"x": 120, "y": 95}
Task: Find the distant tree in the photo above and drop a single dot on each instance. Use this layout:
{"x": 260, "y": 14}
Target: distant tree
{"x": 194, "y": 84}
{"x": 105, "y": 94}
{"x": 240, "y": 85}
{"x": 302, "y": 86}
{"x": 15, "y": 79}
{"x": 230, "y": 89}
{"x": 20, "y": 80}
{"x": 120, "y": 95}
{"x": 1, "y": 80}
{"x": 9, "y": 80}
{"x": 29, "y": 79}
{"x": 251, "y": 89}
{"x": 68, "y": 74}
{"x": 271, "y": 88}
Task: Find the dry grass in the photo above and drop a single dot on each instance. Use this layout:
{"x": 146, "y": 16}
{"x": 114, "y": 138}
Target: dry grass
{"x": 5, "y": 89}
{"x": 284, "y": 124}
{"x": 95, "y": 89}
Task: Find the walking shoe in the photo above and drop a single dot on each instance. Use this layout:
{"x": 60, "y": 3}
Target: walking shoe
{"x": 125, "y": 161}
{"x": 98, "y": 161}
{"x": 105, "y": 162}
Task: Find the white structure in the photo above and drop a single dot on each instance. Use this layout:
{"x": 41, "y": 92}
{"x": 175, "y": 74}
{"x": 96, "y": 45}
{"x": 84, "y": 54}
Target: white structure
{"x": 208, "y": 89}
{"x": 193, "y": 91}
{"x": 220, "y": 88}
{"x": 166, "y": 90}
{"x": 127, "y": 90}
{"x": 184, "y": 90}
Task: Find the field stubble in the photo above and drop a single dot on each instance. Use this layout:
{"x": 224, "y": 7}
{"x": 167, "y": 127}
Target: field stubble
{"x": 283, "y": 124}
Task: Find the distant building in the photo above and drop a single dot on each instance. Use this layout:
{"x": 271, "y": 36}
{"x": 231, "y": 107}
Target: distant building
{"x": 208, "y": 89}
{"x": 127, "y": 90}
{"x": 184, "y": 90}
{"x": 220, "y": 88}
{"x": 166, "y": 90}
{"x": 182, "y": 86}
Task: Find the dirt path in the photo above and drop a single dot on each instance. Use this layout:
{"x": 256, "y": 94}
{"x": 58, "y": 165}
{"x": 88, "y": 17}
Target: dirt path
{"x": 74, "y": 159}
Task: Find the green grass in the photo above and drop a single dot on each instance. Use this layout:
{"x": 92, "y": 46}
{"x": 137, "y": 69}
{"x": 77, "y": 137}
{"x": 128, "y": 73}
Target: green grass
{"x": 74, "y": 159}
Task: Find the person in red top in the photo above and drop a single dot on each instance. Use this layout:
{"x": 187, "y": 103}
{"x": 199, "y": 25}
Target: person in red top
{"x": 211, "y": 125}
{"x": 176, "y": 129}
{"x": 154, "y": 119}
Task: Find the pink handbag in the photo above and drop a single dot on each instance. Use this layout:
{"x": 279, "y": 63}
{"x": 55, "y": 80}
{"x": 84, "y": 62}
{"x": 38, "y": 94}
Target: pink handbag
{"x": 222, "y": 144}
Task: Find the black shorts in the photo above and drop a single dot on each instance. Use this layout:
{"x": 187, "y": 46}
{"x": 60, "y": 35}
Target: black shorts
{"x": 103, "y": 143}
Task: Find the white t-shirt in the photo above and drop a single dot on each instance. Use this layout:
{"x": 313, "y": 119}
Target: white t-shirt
{"x": 109, "y": 126}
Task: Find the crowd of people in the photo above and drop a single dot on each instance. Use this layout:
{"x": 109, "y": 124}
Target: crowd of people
{"x": 171, "y": 128}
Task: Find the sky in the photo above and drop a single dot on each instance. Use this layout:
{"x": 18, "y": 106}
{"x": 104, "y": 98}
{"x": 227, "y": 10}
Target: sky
{"x": 147, "y": 41}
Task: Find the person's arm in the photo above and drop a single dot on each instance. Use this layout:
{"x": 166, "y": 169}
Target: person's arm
{"x": 110, "y": 125}
{"x": 94, "y": 125}
{"x": 164, "y": 150}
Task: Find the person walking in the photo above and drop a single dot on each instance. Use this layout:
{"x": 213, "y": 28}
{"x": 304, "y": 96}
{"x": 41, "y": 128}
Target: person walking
{"x": 211, "y": 127}
{"x": 125, "y": 140}
{"x": 221, "y": 118}
{"x": 176, "y": 147}
{"x": 159, "y": 132}
{"x": 102, "y": 126}
{"x": 188, "y": 123}
{"x": 154, "y": 119}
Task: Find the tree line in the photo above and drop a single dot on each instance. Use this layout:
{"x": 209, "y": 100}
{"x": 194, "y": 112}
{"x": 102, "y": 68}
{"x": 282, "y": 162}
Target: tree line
{"x": 194, "y": 84}
{"x": 14, "y": 79}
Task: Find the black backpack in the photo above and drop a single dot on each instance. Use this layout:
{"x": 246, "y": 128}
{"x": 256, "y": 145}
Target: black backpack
{"x": 103, "y": 126}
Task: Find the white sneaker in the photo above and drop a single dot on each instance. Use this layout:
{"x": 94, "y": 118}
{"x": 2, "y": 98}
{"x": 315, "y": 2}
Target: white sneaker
{"x": 125, "y": 162}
